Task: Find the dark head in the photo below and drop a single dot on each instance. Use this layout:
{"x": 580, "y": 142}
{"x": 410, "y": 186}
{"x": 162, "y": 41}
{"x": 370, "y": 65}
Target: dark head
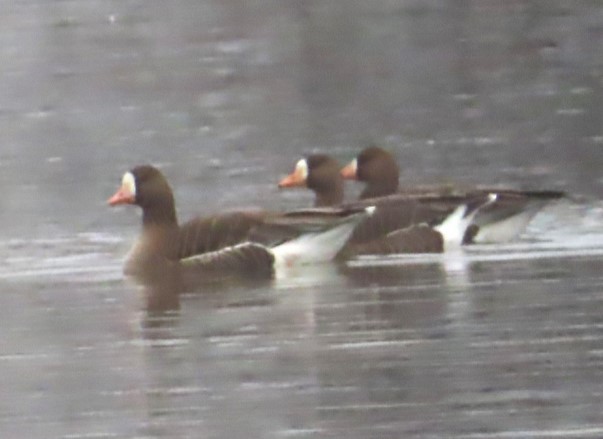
{"x": 320, "y": 173}
{"x": 377, "y": 168}
{"x": 145, "y": 186}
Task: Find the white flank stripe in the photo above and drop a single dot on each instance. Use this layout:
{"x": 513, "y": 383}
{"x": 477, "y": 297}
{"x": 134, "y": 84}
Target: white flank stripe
{"x": 453, "y": 227}
{"x": 312, "y": 248}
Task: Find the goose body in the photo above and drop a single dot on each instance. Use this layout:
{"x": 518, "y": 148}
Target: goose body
{"x": 254, "y": 242}
{"x": 502, "y": 220}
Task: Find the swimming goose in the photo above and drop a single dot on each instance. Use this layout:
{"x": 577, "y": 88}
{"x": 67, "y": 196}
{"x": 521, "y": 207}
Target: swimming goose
{"x": 399, "y": 224}
{"x": 500, "y": 221}
{"x": 254, "y": 242}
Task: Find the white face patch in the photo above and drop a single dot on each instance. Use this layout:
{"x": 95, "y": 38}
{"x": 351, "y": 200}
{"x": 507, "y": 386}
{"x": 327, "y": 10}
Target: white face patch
{"x": 354, "y": 166}
{"x": 128, "y": 183}
{"x": 301, "y": 169}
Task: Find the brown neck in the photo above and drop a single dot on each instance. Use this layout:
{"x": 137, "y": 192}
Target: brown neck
{"x": 378, "y": 169}
{"x": 159, "y": 211}
{"x": 160, "y": 228}
{"x": 379, "y": 189}
{"x": 159, "y": 217}
{"x": 329, "y": 195}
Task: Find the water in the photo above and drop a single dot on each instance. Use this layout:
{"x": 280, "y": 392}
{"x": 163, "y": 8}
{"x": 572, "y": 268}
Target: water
{"x": 489, "y": 342}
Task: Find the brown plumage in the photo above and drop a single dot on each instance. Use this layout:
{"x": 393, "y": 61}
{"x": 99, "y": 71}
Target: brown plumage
{"x": 512, "y": 210}
{"x": 161, "y": 235}
{"x": 393, "y": 213}
{"x": 319, "y": 173}
{"x": 376, "y": 168}
{"x": 498, "y": 220}
{"x": 241, "y": 241}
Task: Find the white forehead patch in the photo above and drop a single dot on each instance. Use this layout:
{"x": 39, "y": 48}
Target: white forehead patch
{"x": 354, "y": 165}
{"x": 301, "y": 169}
{"x": 129, "y": 183}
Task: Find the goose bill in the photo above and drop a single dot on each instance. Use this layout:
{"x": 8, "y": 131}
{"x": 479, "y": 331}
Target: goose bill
{"x": 350, "y": 170}
{"x": 126, "y": 194}
{"x": 298, "y": 177}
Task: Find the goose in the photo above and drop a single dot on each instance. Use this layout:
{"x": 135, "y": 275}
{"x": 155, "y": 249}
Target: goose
{"x": 501, "y": 221}
{"x": 255, "y": 242}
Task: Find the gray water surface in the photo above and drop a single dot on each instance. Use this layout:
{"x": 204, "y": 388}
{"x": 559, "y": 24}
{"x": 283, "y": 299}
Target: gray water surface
{"x": 500, "y": 341}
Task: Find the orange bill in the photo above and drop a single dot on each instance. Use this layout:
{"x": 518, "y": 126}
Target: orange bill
{"x": 349, "y": 171}
{"x": 298, "y": 177}
{"x": 122, "y": 196}
{"x": 126, "y": 194}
